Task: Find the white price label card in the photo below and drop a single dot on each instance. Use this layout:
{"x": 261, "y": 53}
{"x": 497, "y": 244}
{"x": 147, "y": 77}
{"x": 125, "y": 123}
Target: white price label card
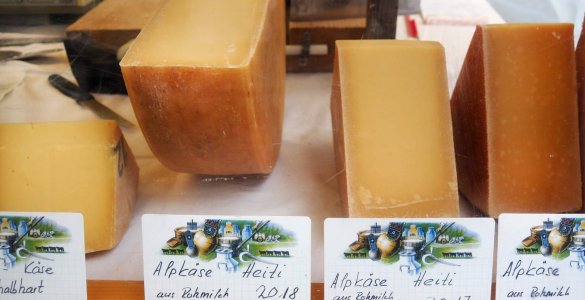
{"x": 224, "y": 257}
{"x": 42, "y": 256}
{"x": 416, "y": 259}
{"x": 541, "y": 256}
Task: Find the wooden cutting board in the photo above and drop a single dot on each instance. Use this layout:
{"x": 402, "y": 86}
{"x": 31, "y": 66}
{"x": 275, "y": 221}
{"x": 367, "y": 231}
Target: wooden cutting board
{"x": 134, "y": 290}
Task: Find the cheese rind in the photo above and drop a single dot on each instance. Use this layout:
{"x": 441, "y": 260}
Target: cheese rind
{"x": 580, "y": 63}
{"x": 392, "y": 129}
{"x": 515, "y": 120}
{"x": 206, "y": 81}
{"x": 84, "y": 167}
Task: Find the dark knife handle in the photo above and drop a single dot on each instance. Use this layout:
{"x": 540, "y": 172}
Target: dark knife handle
{"x": 69, "y": 88}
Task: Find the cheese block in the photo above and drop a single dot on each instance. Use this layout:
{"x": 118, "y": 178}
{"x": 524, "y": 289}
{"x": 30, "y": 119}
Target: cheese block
{"x": 580, "y": 57}
{"x": 515, "y": 120}
{"x": 84, "y": 167}
{"x": 392, "y": 129}
{"x": 206, "y": 81}
{"x": 93, "y": 41}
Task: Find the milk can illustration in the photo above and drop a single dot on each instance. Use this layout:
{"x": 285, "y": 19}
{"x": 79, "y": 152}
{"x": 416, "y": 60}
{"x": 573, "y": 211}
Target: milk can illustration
{"x": 226, "y": 261}
{"x": 246, "y": 233}
{"x": 431, "y": 234}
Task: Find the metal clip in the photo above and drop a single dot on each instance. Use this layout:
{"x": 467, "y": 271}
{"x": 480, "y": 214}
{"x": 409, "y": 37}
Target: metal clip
{"x": 306, "y": 49}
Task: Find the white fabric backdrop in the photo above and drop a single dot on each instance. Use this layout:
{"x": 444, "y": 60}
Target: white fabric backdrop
{"x": 571, "y": 11}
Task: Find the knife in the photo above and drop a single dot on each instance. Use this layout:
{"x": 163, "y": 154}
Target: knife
{"x": 6, "y": 55}
{"x": 85, "y": 99}
{"x": 22, "y": 41}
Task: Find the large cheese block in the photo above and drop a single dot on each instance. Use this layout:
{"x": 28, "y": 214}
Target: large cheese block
{"x": 392, "y": 129}
{"x": 84, "y": 167}
{"x": 580, "y": 57}
{"x": 206, "y": 81}
{"x": 93, "y": 41}
{"x": 515, "y": 120}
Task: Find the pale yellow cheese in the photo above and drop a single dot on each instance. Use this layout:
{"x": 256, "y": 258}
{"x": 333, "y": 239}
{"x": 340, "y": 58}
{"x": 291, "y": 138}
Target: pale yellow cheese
{"x": 392, "y": 129}
{"x": 206, "y": 81}
{"x": 84, "y": 167}
{"x": 216, "y": 33}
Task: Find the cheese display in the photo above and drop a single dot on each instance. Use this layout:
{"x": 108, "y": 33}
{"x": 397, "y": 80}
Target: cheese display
{"x": 206, "y": 81}
{"x": 580, "y": 57}
{"x": 93, "y": 41}
{"x": 392, "y": 129}
{"x": 515, "y": 120}
{"x": 84, "y": 167}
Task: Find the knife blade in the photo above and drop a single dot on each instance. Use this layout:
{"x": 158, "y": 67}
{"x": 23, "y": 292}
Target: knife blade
{"x": 6, "y": 55}
{"x": 85, "y": 99}
{"x": 22, "y": 41}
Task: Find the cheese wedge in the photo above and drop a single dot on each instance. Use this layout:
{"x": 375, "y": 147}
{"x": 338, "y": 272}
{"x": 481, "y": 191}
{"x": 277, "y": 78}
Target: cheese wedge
{"x": 515, "y": 120}
{"x": 84, "y": 167}
{"x": 580, "y": 57}
{"x": 392, "y": 129}
{"x": 206, "y": 81}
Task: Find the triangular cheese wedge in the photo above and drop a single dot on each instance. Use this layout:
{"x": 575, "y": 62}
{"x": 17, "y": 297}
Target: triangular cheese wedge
{"x": 392, "y": 129}
{"x": 515, "y": 120}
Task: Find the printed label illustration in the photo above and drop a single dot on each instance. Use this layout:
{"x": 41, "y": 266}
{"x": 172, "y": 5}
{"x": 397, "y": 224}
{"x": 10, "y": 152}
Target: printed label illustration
{"x": 541, "y": 256}
{"x": 43, "y": 256}
{"x": 213, "y": 257}
{"x": 408, "y": 258}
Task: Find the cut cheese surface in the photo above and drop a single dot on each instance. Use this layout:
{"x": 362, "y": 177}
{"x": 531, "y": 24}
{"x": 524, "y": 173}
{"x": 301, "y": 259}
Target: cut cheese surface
{"x": 206, "y": 81}
{"x": 515, "y": 120}
{"x": 83, "y": 167}
{"x": 116, "y": 15}
{"x": 219, "y": 33}
{"x": 392, "y": 129}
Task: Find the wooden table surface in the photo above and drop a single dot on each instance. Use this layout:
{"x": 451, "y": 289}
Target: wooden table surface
{"x": 134, "y": 290}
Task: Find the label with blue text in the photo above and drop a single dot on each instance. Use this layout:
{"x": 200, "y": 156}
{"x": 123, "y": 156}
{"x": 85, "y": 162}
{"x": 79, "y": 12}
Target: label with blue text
{"x": 416, "y": 259}
{"x": 42, "y": 256}
{"x": 541, "y": 256}
{"x": 225, "y": 257}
